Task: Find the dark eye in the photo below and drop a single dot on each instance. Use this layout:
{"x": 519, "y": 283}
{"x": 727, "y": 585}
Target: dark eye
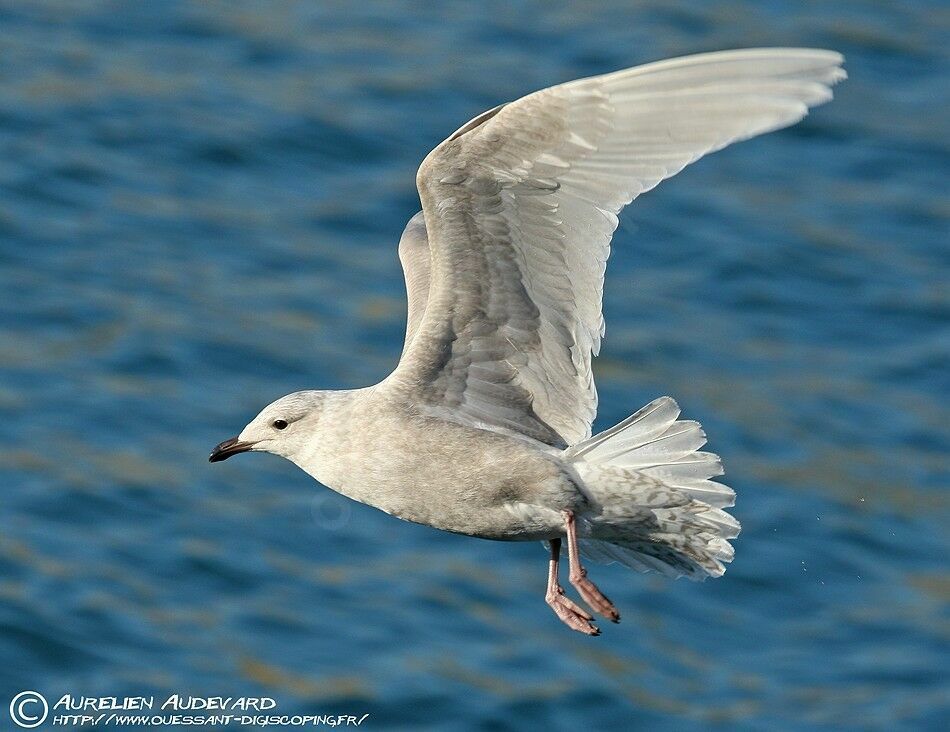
{"x": 280, "y": 424}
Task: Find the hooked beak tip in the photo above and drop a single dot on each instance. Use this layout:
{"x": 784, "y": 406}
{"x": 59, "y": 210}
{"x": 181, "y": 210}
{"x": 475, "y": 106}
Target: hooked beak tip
{"x": 228, "y": 448}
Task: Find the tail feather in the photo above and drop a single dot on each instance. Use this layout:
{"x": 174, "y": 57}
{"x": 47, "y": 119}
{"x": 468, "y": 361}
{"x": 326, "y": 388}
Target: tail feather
{"x": 698, "y": 466}
{"x": 654, "y": 505}
{"x": 649, "y": 422}
{"x": 639, "y": 558}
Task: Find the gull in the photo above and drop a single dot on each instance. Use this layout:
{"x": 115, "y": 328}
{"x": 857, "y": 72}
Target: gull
{"x": 484, "y": 426}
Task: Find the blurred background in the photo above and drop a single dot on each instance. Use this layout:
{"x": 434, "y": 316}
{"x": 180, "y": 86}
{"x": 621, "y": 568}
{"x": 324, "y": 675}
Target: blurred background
{"x": 199, "y": 213}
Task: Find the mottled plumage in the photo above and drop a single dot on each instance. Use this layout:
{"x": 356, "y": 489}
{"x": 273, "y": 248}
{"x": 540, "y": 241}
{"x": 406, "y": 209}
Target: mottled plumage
{"x": 484, "y": 426}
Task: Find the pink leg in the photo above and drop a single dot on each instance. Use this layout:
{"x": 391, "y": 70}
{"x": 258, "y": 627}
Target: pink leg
{"x": 587, "y": 589}
{"x": 570, "y": 613}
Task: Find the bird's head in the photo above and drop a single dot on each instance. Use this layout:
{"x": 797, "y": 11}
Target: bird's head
{"x": 282, "y": 428}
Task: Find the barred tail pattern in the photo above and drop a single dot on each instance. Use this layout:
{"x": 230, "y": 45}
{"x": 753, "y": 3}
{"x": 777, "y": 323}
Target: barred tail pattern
{"x": 654, "y": 505}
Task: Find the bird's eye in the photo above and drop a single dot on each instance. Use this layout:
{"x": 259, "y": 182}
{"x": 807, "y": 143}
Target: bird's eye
{"x": 280, "y": 424}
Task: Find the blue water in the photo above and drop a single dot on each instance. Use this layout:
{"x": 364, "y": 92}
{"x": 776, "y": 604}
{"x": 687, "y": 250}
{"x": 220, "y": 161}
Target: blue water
{"x": 199, "y": 205}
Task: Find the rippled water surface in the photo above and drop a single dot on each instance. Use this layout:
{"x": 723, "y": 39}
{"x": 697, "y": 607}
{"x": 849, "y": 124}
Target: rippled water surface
{"x": 199, "y": 210}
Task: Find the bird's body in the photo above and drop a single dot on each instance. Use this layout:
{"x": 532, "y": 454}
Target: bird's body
{"x": 484, "y": 427}
{"x": 373, "y": 445}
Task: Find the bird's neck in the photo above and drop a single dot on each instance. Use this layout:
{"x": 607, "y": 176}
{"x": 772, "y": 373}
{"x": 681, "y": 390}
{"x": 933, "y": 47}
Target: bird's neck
{"x": 337, "y": 447}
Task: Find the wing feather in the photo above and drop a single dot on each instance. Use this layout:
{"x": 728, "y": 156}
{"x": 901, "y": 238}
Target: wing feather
{"x": 521, "y": 203}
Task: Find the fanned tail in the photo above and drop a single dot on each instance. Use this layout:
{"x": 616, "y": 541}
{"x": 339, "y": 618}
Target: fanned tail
{"x": 655, "y": 507}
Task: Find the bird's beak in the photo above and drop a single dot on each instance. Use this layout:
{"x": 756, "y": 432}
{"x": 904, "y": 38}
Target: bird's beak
{"x": 228, "y": 448}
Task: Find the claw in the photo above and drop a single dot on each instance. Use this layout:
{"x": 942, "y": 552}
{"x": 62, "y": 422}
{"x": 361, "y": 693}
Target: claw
{"x": 597, "y": 600}
{"x": 571, "y": 614}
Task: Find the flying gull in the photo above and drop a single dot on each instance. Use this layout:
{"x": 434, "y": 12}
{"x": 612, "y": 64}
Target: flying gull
{"x": 484, "y": 427}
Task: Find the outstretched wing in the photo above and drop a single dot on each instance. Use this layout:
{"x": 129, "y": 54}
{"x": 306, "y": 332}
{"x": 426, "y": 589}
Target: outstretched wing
{"x": 520, "y": 205}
